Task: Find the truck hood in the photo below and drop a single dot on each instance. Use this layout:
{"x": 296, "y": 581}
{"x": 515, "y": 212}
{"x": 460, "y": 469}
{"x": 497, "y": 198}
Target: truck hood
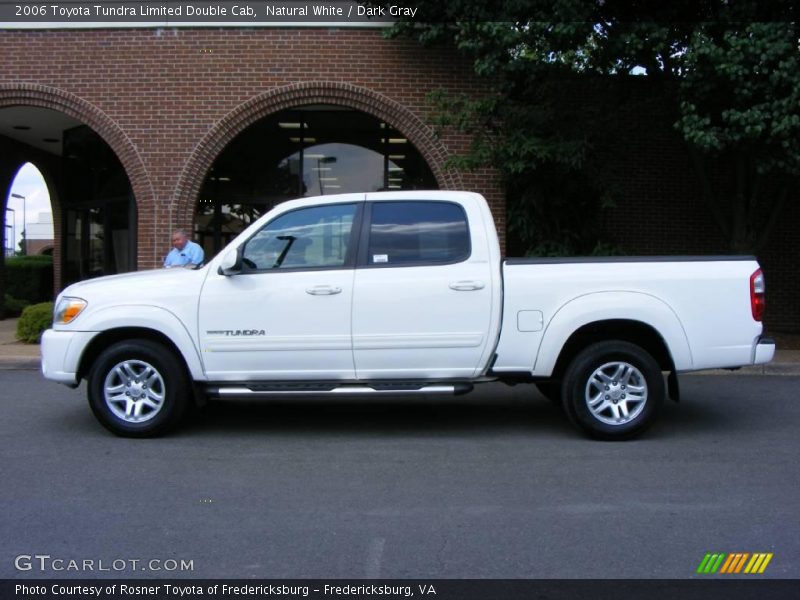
{"x": 159, "y": 286}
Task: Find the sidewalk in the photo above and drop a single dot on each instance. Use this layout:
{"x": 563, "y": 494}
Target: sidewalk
{"x": 16, "y": 355}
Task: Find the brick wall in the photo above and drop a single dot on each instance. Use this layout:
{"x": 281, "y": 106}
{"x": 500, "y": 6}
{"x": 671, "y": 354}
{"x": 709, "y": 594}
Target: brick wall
{"x": 168, "y": 100}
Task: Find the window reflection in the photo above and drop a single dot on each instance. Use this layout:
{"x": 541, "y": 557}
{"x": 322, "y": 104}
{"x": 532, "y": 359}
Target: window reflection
{"x": 315, "y": 237}
{"x": 417, "y": 233}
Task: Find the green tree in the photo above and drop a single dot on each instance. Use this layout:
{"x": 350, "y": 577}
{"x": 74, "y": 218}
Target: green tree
{"x": 740, "y": 103}
{"x": 541, "y": 144}
{"x": 729, "y": 68}
{"x": 22, "y": 245}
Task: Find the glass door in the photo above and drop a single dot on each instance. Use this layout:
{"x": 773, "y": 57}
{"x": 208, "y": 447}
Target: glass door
{"x": 97, "y": 241}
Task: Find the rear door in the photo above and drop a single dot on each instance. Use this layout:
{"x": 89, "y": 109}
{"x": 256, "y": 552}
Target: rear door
{"x": 422, "y": 295}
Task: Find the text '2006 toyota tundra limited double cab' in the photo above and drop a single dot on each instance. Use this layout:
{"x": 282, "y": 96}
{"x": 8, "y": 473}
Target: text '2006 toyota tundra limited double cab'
{"x": 401, "y": 293}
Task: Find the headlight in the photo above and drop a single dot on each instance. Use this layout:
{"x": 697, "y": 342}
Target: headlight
{"x": 68, "y": 310}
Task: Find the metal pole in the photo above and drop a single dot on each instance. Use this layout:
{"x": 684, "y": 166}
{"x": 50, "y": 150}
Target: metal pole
{"x": 24, "y": 224}
{"x": 13, "y": 228}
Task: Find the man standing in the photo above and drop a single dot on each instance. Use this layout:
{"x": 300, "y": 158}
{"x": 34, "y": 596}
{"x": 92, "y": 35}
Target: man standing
{"x": 185, "y": 253}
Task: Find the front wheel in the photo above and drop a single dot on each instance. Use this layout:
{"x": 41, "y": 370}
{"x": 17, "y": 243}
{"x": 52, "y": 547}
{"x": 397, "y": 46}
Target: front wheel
{"x": 613, "y": 390}
{"x": 138, "y": 388}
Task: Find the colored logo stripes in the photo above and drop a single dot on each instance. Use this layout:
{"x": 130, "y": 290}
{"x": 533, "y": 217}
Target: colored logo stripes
{"x": 737, "y": 562}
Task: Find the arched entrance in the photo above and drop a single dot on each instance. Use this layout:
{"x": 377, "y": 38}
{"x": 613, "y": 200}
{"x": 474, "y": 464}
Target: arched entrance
{"x": 306, "y": 151}
{"x": 86, "y": 161}
{"x": 306, "y": 96}
{"x": 93, "y": 207}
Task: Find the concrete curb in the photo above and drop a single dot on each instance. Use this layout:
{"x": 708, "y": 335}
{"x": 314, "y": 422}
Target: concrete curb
{"x": 768, "y": 369}
{"x": 19, "y": 363}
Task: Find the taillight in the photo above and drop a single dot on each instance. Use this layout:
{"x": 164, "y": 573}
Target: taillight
{"x": 757, "y": 295}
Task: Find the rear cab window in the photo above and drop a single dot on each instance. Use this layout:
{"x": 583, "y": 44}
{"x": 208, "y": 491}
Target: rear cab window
{"x": 413, "y": 233}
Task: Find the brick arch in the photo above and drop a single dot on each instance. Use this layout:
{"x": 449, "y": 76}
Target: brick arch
{"x": 293, "y": 96}
{"x": 42, "y": 96}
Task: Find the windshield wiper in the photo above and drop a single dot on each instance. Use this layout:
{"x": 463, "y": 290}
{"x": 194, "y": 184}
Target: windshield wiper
{"x": 289, "y": 239}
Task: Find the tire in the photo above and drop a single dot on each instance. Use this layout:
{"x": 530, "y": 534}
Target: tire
{"x": 613, "y": 390}
{"x": 138, "y": 388}
{"x": 550, "y": 390}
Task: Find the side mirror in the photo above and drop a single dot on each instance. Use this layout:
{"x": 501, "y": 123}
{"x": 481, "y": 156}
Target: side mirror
{"x": 231, "y": 263}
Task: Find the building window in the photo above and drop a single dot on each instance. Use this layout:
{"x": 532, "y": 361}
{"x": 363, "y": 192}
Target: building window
{"x": 308, "y": 151}
{"x": 98, "y": 209}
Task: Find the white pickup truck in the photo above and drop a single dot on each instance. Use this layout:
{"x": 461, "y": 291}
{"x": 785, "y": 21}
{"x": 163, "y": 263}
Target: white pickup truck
{"x": 401, "y": 293}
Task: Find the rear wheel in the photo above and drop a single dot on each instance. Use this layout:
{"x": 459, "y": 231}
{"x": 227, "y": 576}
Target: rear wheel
{"x": 138, "y": 388}
{"x": 613, "y": 390}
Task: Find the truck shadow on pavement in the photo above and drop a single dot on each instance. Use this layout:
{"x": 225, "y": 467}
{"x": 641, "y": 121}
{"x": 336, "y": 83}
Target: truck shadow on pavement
{"x": 476, "y": 414}
{"x": 398, "y": 416}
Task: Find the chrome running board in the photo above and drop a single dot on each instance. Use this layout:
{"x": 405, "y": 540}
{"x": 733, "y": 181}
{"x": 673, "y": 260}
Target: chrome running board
{"x": 323, "y": 389}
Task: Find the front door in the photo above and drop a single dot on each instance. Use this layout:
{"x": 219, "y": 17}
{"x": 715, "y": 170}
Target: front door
{"x": 287, "y": 315}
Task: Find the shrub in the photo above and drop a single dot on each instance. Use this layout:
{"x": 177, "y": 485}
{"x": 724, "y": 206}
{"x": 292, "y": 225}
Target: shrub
{"x": 34, "y": 320}
{"x": 30, "y": 278}
{"x": 14, "y": 306}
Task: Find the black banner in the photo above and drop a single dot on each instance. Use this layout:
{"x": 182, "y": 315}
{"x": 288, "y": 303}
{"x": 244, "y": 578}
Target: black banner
{"x": 439, "y": 589}
{"x": 170, "y": 13}
{"x": 50, "y": 14}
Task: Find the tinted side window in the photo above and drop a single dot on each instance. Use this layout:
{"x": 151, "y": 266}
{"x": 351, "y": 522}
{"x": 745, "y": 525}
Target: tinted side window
{"x": 417, "y": 233}
{"x": 314, "y": 237}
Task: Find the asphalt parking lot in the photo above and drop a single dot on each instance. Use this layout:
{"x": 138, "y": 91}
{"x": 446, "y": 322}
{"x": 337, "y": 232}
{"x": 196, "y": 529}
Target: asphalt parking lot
{"x": 495, "y": 484}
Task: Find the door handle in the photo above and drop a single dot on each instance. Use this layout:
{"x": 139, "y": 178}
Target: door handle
{"x": 467, "y": 286}
{"x": 323, "y": 290}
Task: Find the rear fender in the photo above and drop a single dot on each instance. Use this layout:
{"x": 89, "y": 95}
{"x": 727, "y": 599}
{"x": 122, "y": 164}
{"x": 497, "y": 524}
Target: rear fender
{"x": 605, "y": 306}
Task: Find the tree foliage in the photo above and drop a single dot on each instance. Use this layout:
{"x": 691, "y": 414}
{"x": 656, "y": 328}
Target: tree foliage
{"x": 740, "y": 102}
{"x": 729, "y": 68}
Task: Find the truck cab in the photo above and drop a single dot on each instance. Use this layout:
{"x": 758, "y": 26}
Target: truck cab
{"x": 361, "y": 287}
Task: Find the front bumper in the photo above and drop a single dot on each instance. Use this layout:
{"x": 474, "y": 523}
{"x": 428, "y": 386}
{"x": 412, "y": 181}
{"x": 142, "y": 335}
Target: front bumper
{"x": 61, "y": 354}
{"x": 764, "y": 351}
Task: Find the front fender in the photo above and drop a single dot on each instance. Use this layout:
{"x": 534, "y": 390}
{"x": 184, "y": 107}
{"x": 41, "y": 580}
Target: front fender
{"x": 604, "y": 306}
{"x": 155, "y": 318}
